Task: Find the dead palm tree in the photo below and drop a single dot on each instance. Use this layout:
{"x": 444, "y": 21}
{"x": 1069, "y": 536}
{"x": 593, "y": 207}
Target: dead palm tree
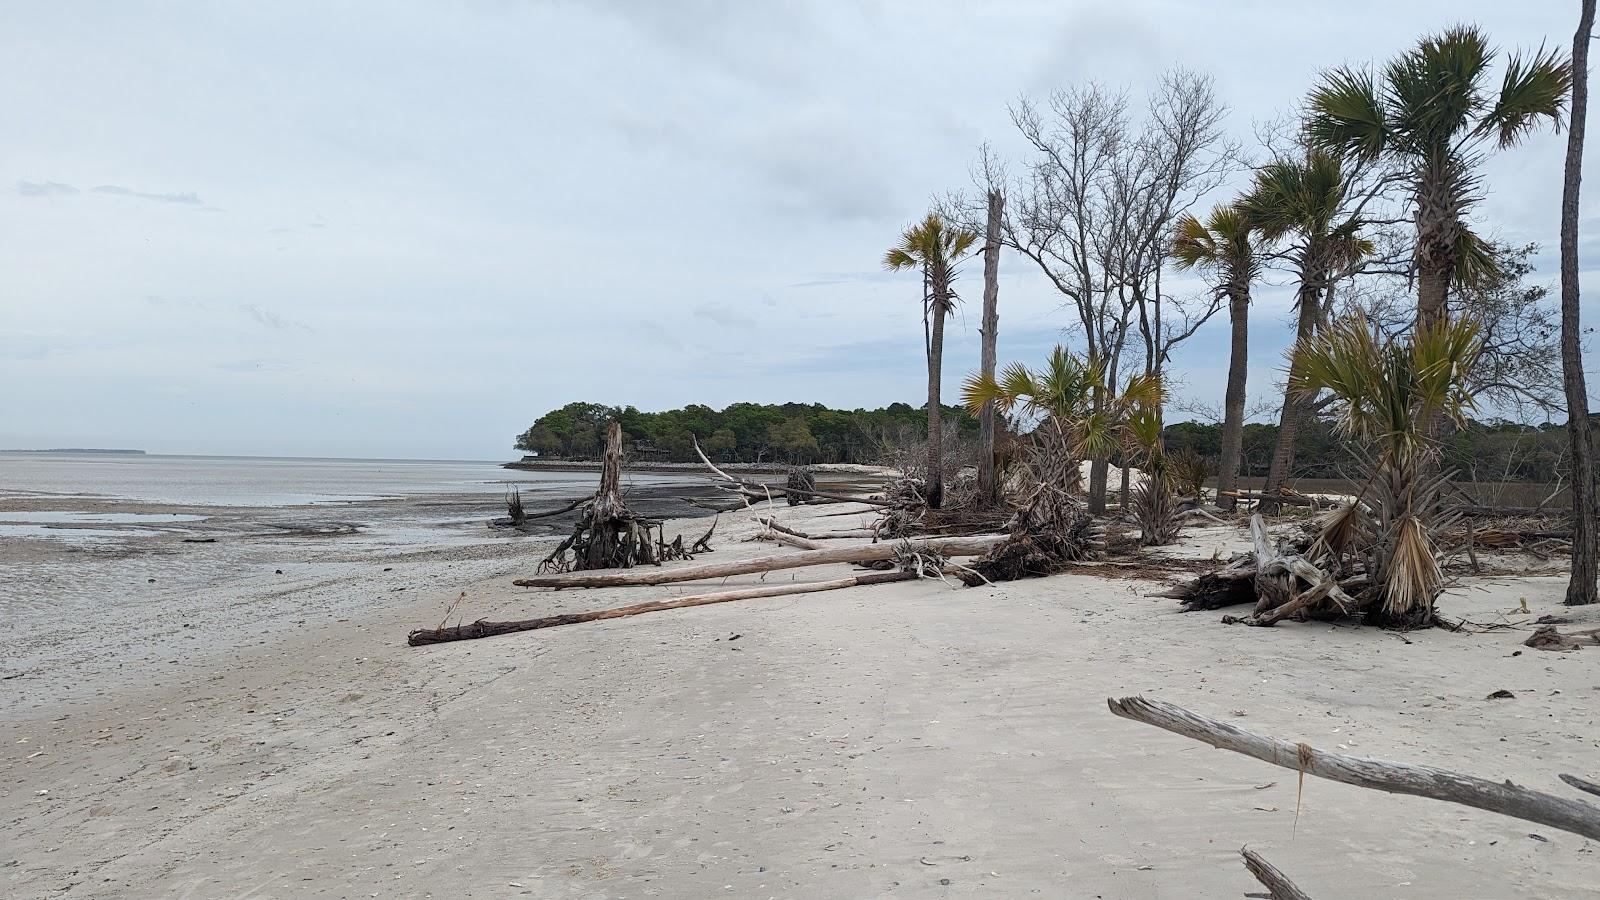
{"x": 1383, "y": 394}
{"x": 1224, "y": 246}
{"x": 934, "y": 247}
{"x": 1434, "y": 115}
{"x": 1304, "y": 202}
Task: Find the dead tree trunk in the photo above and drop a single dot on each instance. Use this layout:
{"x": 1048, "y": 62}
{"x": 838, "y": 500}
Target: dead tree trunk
{"x": 483, "y": 629}
{"x": 608, "y": 535}
{"x": 988, "y": 480}
{"x": 1278, "y": 885}
{"x": 962, "y": 546}
{"x": 1504, "y": 798}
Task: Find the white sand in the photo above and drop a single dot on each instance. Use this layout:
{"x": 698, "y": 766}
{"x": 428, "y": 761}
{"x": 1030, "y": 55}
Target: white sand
{"x": 900, "y": 740}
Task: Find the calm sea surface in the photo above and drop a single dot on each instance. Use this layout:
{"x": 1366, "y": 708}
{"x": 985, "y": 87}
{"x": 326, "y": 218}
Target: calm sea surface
{"x": 264, "y": 481}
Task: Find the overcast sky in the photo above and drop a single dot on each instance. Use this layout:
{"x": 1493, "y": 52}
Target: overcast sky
{"x": 406, "y": 229}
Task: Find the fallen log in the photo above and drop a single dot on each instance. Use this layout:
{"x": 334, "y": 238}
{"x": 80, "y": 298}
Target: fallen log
{"x": 856, "y": 554}
{"x": 1504, "y": 798}
{"x": 793, "y": 540}
{"x": 1278, "y": 885}
{"x": 483, "y": 628}
{"x": 1587, "y": 787}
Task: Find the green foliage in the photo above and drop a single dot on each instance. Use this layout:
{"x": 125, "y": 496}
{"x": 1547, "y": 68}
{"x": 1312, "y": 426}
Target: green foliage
{"x": 743, "y": 432}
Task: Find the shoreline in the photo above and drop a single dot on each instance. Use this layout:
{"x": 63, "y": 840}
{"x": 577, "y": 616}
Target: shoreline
{"x": 911, "y": 739}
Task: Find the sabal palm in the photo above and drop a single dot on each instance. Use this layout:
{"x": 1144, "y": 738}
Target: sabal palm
{"x": 1062, "y": 394}
{"x": 1225, "y": 246}
{"x": 1434, "y": 113}
{"x": 1306, "y": 203}
{"x": 934, "y": 247}
{"x": 1384, "y": 394}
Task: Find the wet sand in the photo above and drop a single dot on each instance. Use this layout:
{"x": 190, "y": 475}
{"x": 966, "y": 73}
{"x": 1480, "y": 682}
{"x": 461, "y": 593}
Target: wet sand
{"x": 901, "y": 740}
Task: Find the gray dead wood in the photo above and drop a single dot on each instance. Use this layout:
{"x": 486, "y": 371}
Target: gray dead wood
{"x": 483, "y": 629}
{"x": 1278, "y": 885}
{"x": 963, "y": 546}
{"x": 1504, "y": 798}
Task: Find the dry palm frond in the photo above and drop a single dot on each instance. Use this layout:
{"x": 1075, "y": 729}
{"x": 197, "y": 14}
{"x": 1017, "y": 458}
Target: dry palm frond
{"x": 1341, "y": 532}
{"x": 1412, "y": 578}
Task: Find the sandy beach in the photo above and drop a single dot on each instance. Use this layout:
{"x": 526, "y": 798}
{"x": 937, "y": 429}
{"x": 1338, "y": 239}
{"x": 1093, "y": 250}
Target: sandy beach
{"x": 910, "y": 740}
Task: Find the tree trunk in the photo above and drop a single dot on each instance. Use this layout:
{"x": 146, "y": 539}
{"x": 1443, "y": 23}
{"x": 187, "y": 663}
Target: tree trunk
{"x": 935, "y": 414}
{"x": 1581, "y": 587}
{"x": 1294, "y": 408}
{"x": 988, "y": 482}
{"x": 1098, "y": 470}
{"x": 1233, "y": 401}
{"x": 483, "y": 628}
{"x": 961, "y": 546}
{"x": 1501, "y": 797}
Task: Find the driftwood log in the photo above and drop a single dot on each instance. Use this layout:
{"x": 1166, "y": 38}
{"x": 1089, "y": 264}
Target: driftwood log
{"x": 1278, "y": 885}
{"x": 1504, "y": 798}
{"x": 483, "y": 629}
{"x": 964, "y": 546}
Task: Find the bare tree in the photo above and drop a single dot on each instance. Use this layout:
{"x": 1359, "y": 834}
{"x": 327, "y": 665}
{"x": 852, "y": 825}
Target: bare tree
{"x": 1094, "y": 210}
{"x": 988, "y": 483}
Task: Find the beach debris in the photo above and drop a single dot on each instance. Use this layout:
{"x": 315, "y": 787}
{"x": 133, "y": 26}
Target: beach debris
{"x": 1548, "y": 637}
{"x": 750, "y": 490}
{"x": 801, "y": 481}
{"x": 483, "y": 628}
{"x": 1278, "y": 885}
{"x": 860, "y": 553}
{"x": 608, "y": 535}
{"x": 1505, "y": 798}
{"x": 1050, "y": 530}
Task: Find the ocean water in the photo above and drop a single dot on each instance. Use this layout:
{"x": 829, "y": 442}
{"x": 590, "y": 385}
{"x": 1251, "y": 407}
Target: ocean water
{"x": 264, "y": 481}
{"x": 113, "y": 564}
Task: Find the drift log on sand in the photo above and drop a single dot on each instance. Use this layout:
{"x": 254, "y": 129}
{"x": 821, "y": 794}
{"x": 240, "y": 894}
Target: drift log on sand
{"x": 1504, "y": 798}
{"x": 1278, "y": 885}
{"x": 973, "y": 546}
{"x": 483, "y": 629}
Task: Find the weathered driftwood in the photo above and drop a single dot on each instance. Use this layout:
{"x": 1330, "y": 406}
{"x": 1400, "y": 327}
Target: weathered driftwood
{"x": 754, "y": 491}
{"x": 1546, "y": 637}
{"x": 1588, "y": 787}
{"x": 1278, "y": 885}
{"x": 965, "y": 546}
{"x": 483, "y": 629}
{"x": 1504, "y": 798}
{"x": 1269, "y": 576}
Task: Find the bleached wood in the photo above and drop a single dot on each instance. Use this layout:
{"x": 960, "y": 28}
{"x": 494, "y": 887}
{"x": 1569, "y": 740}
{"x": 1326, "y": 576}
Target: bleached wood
{"x": 1504, "y": 798}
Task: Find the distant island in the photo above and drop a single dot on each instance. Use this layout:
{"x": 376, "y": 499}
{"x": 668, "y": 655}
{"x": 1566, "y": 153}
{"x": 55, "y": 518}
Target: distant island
{"x": 79, "y": 450}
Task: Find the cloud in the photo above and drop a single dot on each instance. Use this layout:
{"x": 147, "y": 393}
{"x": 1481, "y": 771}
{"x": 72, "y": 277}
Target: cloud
{"x": 270, "y": 319}
{"x": 118, "y": 190}
{"x": 252, "y": 365}
{"x": 725, "y": 315}
{"x": 44, "y": 188}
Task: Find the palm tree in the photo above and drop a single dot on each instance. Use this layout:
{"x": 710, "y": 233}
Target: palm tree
{"x": 1433, "y": 115}
{"x": 1062, "y": 396}
{"x": 1304, "y": 202}
{"x": 1223, "y": 245}
{"x": 1581, "y": 588}
{"x": 1384, "y": 393}
{"x": 935, "y": 248}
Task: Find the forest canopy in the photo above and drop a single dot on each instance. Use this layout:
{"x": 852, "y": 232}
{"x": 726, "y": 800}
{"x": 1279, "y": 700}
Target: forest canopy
{"x": 812, "y": 433}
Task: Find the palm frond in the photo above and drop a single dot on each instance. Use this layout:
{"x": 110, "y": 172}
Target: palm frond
{"x": 1347, "y": 116}
{"x": 1532, "y": 88}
